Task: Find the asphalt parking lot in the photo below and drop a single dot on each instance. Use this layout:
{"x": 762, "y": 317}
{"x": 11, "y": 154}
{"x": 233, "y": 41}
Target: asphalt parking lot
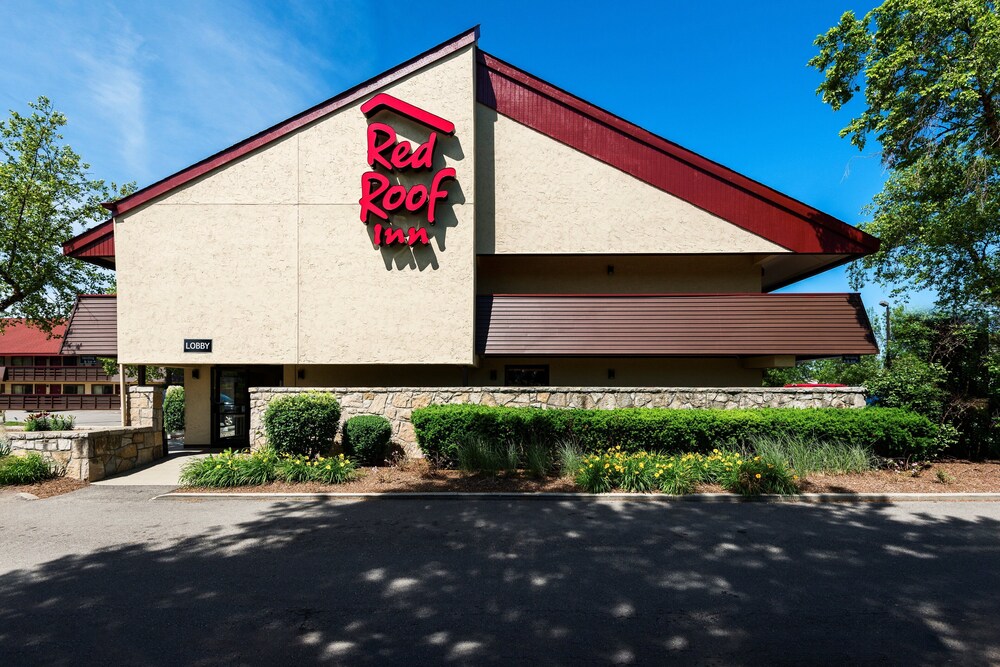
{"x": 106, "y": 576}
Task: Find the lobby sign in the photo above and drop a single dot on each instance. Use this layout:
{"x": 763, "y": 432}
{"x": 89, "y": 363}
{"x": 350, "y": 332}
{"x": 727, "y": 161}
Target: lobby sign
{"x": 380, "y": 197}
{"x": 197, "y": 344}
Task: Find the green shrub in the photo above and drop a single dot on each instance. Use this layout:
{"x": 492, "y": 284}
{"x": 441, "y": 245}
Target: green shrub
{"x": 264, "y": 466}
{"x": 28, "y": 469}
{"x": 302, "y": 424}
{"x": 759, "y": 475}
{"x": 891, "y": 432}
{"x": 334, "y": 470}
{"x": 230, "y": 468}
{"x": 173, "y": 409}
{"x": 367, "y": 438}
{"x": 46, "y": 421}
{"x": 616, "y": 468}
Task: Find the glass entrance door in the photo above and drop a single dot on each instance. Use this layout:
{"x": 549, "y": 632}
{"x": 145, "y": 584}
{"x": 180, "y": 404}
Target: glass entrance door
{"x": 230, "y": 408}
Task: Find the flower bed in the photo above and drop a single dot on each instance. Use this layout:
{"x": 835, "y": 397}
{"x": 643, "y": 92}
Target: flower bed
{"x": 264, "y": 466}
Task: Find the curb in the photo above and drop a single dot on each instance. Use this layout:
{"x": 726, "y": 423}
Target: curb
{"x": 804, "y": 498}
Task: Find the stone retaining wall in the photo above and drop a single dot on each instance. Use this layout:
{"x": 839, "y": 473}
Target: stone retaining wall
{"x": 92, "y": 455}
{"x": 396, "y": 403}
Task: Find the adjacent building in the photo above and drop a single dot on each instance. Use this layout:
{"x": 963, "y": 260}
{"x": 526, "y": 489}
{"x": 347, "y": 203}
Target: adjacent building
{"x": 37, "y": 373}
{"x": 457, "y": 221}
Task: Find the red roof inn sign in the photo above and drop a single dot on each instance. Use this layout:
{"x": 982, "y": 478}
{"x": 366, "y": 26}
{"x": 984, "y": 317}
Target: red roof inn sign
{"x": 379, "y": 195}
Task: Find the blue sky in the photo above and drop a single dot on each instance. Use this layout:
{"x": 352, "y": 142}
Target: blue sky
{"x": 150, "y": 88}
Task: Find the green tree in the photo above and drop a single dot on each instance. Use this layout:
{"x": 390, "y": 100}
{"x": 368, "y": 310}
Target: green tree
{"x": 45, "y": 190}
{"x": 929, "y": 71}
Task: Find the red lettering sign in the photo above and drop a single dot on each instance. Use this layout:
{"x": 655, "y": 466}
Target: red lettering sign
{"x": 380, "y": 197}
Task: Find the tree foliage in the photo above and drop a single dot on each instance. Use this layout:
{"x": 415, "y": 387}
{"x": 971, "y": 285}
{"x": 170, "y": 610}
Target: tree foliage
{"x": 944, "y": 367}
{"x": 45, "y": 190}
{"x": 929, "y": 71}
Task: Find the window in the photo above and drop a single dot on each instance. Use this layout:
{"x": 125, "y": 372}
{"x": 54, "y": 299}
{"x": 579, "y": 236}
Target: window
{"x": 88, "y": 361}
{"x": 55, "y": 389}
{"x": 72, "y": 389}
{"x": 22, "y": 361}
{"x": 102, "y": 389}
{"x": 69, "y": 361}
{"x": 41, "y": 361}
{"x": 21, "y": 388}
{"x": 526, "y": 376}
{"x": 40, "y": 388}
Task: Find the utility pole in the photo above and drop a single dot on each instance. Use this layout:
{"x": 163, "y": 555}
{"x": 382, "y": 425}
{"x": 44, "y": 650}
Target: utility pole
{"x": 888, "y": 332}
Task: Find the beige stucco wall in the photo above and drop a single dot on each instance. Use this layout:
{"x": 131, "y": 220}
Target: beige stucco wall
{"x": 269, "y": 259}
{"x": 642, "y": 274}
{"x": 198, "y": 406}
{"x": 565, "y": 372}
{"x": 539, "y": 196}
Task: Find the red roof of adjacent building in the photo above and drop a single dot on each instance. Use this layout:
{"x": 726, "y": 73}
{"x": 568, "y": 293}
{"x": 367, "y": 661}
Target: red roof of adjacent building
{"x": 20, "y": 338}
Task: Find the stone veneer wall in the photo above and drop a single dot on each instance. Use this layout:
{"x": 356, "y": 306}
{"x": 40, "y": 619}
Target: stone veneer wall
{"x": 396, "y": 403}
{"x": 92, "y": 455}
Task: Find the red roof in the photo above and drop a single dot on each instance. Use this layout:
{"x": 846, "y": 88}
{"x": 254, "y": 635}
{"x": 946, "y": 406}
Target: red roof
{"x": 583, "y": 126}
{"x": 95, "y": 245}
{"x": 19, "y": 338}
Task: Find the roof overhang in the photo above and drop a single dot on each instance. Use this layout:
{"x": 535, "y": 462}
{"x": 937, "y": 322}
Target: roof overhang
{"x": 95, "y": 245}
{"x": 672, "y": 325}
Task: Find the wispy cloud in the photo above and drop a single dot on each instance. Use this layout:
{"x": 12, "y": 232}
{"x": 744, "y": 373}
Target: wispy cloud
{"x": 150, "y": 88}
{"x": 115, "y": 80}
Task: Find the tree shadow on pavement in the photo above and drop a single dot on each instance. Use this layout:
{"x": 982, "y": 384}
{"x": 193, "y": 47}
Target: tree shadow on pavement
{"x": 439, "y": 581}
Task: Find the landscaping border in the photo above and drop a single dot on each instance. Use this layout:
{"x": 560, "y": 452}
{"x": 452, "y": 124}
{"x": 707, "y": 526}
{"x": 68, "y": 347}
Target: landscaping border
{"x": 397, "y": 403}
{"x": 808, "y": 498}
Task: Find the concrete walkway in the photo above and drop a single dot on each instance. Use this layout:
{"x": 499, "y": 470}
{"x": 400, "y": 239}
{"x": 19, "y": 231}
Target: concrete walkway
{"x": 164, "y": 472}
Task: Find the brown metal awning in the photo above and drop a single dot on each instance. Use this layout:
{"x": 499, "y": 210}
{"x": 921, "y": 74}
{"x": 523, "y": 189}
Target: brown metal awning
{"x": 93, "y": 326}
{"x": 804, "y": 325}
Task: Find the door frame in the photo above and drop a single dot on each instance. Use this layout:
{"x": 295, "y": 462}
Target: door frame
{"x": 235, "y": 442}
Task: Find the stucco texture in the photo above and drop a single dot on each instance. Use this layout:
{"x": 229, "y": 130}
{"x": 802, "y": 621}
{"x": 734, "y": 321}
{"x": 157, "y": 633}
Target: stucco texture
{"x": 268, "y": 256}
{"x": 540, "y": 196}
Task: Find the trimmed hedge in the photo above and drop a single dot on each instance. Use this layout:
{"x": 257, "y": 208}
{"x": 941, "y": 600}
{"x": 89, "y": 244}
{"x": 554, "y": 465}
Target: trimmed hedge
{"x": 886, "y": 431}
{"x": 303, "y": 424}
{"x": 367, "y": 437}
{"x": 173, "y": 409}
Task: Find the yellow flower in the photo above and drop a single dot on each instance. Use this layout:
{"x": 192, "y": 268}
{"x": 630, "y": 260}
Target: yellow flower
{"x": 757, "y": 475}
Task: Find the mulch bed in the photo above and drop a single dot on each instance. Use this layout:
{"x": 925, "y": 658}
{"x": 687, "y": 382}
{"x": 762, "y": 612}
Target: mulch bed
{"x": 46, "y": 489}
{"x": 960, "y": 477}
{"x": 419, "y": 476}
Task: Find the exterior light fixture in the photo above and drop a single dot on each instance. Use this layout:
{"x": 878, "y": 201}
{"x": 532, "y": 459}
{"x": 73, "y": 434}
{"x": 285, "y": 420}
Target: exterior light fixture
{"x": 195, "y": 373}
{"x": 611, "y": 374}
{"x": 301, "y": 374}
{"x": 611, "y": 269}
